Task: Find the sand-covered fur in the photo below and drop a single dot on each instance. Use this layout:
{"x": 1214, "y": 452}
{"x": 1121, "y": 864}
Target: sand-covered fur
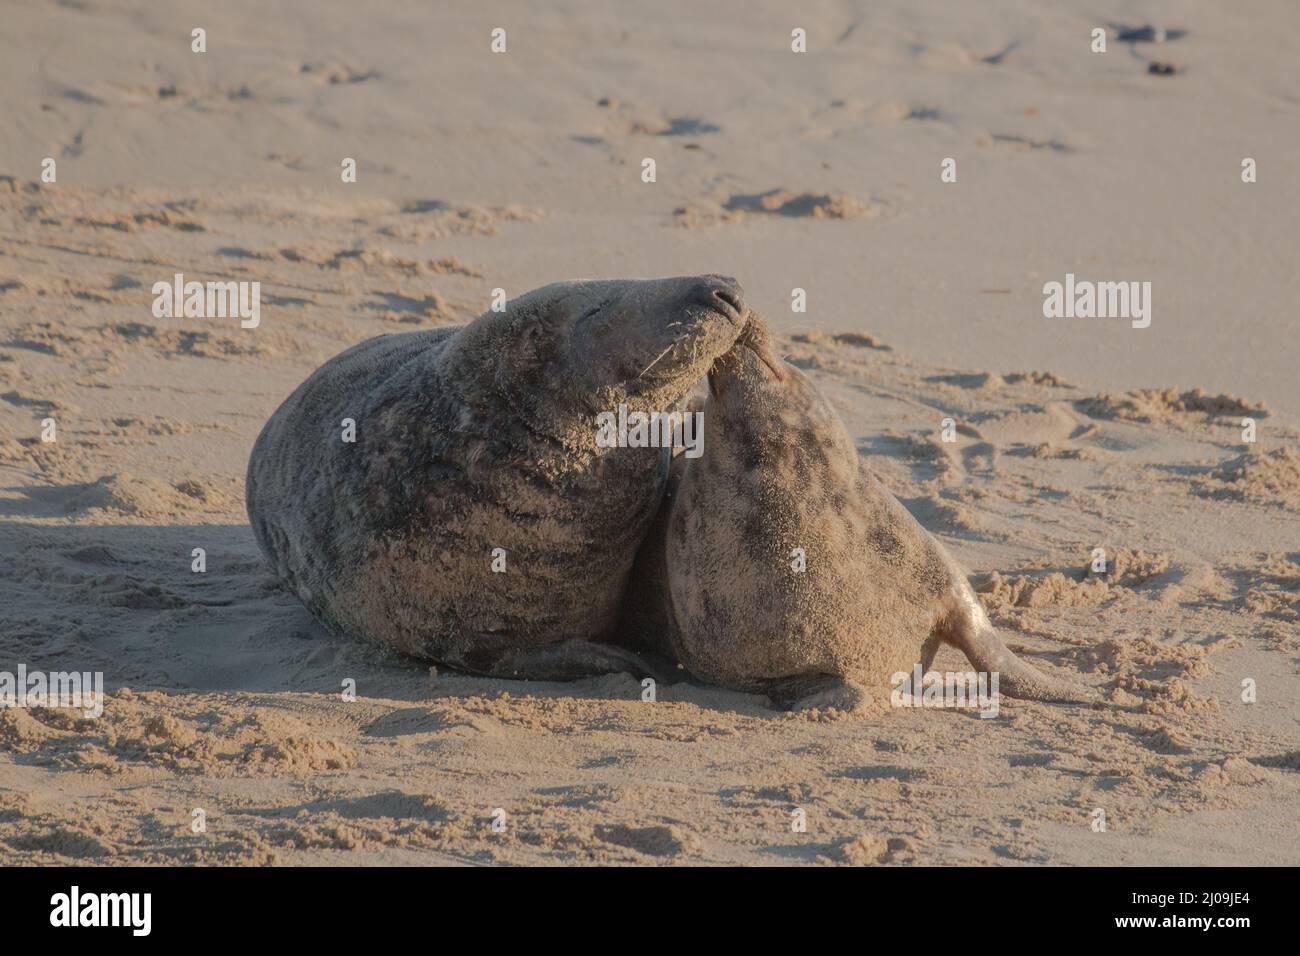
{"x": 474, "y": 519}
{"x": 788, "y": 561}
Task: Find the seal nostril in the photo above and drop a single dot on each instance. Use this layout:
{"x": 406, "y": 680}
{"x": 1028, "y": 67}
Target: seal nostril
{"x": 721, "y": 294}
{"x": 733, "y": 299}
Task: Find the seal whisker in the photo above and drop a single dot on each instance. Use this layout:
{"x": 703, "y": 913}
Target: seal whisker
{"x": 657, "y": 358}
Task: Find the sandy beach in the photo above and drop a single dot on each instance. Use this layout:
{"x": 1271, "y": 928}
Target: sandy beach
{"x": 818, "y": 171}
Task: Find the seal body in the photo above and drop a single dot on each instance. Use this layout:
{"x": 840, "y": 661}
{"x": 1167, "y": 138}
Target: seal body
{"x": 791, "y": 569}
{"x": 474, "y": 519}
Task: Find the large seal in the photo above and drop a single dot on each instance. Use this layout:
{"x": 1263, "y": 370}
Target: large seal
{"x": 790, "y": 569}
{"x": 474, "y": 520}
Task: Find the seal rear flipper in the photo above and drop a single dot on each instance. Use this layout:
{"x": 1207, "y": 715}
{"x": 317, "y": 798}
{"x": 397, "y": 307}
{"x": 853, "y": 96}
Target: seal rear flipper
{"x": 968, "y": 628}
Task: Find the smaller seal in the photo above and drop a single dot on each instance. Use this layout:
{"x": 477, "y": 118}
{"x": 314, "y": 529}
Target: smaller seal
{"x": 793, "y": 571}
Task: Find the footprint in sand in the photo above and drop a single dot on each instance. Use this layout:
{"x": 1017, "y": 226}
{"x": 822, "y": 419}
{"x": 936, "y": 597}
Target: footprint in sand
{"x": 848, "y": 339}
{"x": 774, "y": 202}
{"x": 1025, "y": 143}
{"x": 335, "y": 73}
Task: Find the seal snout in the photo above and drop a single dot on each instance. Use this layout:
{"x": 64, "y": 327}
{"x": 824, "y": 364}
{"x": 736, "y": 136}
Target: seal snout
{"x": 721, "y": 294}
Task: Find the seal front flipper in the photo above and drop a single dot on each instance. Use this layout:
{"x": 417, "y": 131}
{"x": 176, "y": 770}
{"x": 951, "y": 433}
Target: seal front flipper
{"x": 818, "y": 692}
{"x": 566, "y": 661}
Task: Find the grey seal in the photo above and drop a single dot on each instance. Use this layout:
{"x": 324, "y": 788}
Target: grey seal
{"x": 780, "y": 478}
{"x": 475, "y": 520}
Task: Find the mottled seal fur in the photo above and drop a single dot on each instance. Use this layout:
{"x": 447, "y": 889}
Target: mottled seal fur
{"x": 879, "y": 594}
{"x": 478, "y": 438}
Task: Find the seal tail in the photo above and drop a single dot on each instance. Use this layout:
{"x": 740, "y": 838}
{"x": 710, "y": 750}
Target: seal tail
{"x": 969, "y": 629}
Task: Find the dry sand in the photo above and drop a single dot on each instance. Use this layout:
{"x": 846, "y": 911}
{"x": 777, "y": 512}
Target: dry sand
{"x": 818, "y": 171}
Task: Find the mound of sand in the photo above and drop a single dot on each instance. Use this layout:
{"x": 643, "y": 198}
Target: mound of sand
{"x": 1157, "y": 405}
{"x": 1125, "y": 570}
{"x": 125, "y": 494}
{"x": 1270, "y": 477}
{"x": 857, "y": 339}
{"x": 774, "y": 202}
